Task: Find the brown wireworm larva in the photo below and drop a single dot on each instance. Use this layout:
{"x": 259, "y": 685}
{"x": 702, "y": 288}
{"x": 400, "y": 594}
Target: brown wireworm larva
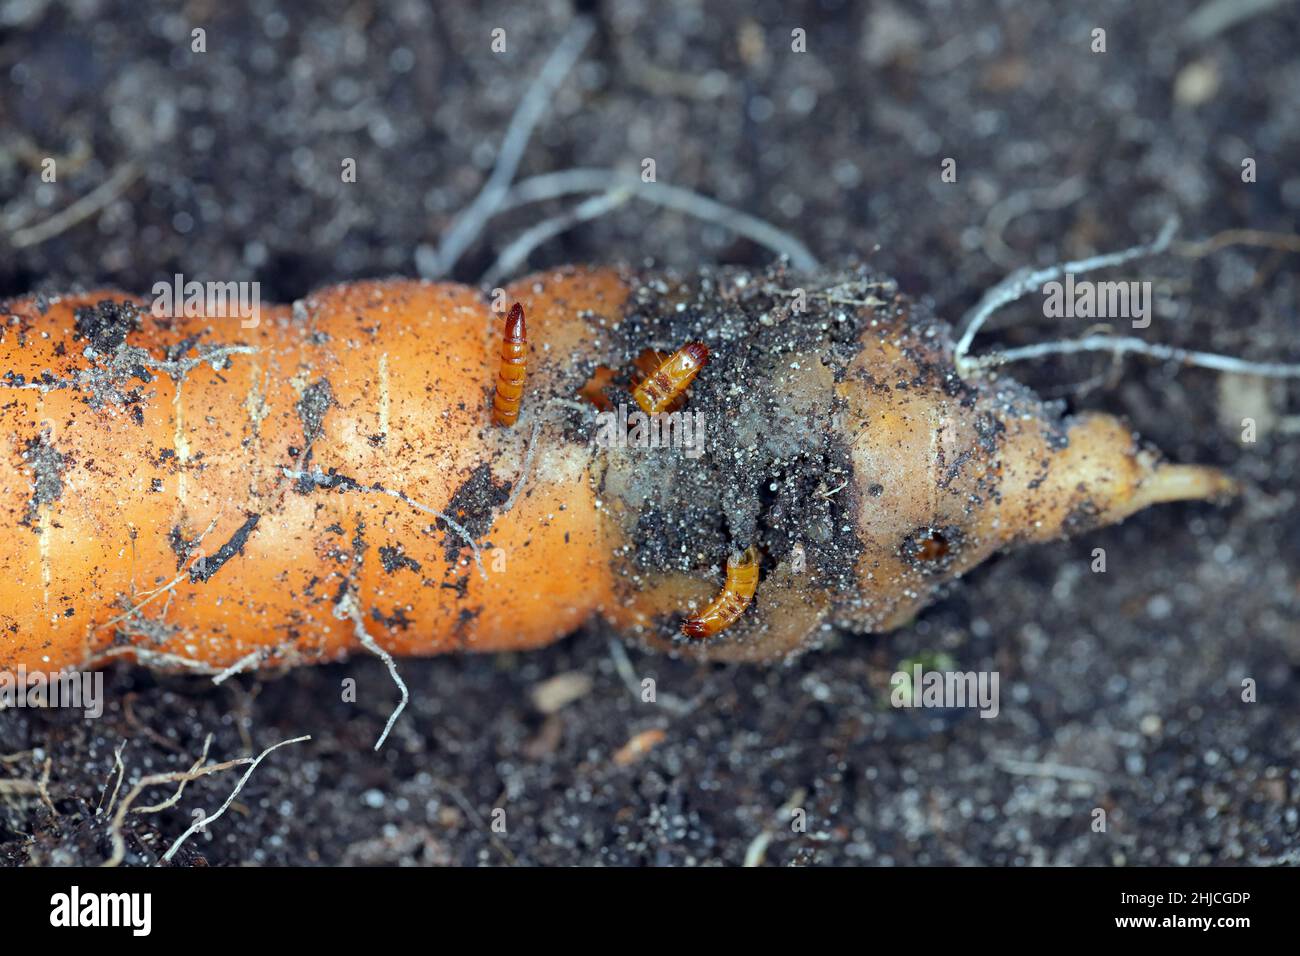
{"x": 513, "y": 369}
{"x": 725, "y": 609}
{"x": 658, "y": 390}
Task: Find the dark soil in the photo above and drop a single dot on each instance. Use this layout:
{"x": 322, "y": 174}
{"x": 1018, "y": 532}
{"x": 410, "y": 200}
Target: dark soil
{"x": 1120, "y": 691}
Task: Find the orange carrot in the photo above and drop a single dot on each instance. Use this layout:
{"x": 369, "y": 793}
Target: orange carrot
{"x": 188, "y": 492}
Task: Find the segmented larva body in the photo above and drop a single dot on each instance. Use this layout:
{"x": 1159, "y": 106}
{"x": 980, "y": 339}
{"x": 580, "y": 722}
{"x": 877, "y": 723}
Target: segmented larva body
{"x": 646, "y": 364}
{"x": 673, "y": 376}
{"x": 513, "y": 369}
{"x": 737, "y": 591}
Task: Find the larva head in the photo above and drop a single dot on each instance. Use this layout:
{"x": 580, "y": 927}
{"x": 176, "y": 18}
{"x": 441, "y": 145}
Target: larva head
{"x": 515, "y": 330}
{"x": 692, "y": 357}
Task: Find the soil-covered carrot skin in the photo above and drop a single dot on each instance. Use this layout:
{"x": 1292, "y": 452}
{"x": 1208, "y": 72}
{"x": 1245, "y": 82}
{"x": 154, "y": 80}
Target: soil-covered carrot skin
{"x": 842, "y": 442}
{"x": 361, "y": 387}
{"x": 336, "y": 467}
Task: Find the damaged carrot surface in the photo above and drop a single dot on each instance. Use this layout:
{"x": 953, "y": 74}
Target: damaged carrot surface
{"x": 188, "y": 492}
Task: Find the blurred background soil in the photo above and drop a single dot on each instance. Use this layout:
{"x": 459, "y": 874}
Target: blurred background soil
{"x": 1120, "y": 690}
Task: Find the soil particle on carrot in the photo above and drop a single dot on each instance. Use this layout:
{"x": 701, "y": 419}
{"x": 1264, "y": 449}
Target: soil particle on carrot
{"x": 394, "y": 558}
{"x": 47, "y": 465}
{"x": 203, "y": 571}
{"x": 397, "y": 619}
{"x": 180, "y": 545}
{"x": 932, "y": 550}
{"x": 105, "y": 325}
{"x": 473, "y": 506}
{"x": 316, "y": 400}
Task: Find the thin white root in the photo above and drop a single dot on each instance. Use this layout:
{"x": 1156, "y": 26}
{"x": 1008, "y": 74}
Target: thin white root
{"x": 159, "y": 660}
{"x": 586, "y": 180}
{"x": 121, "y": 771}
{"x": 450, "y": 522}
{"x": 434, "y": 264}
{"x": 244, "y": 663}
{"x": 497, "y": 194}
{"x": 1121, "y": 345}
{"x": 1012, "y": 207}
{"x": 153, "y": 780}
{"x": 523, "y": 472}
{"x": 1216, "y": 16}
{"x": 516, "y": 254}
{"x": 43, "y": 786}
{"x": 176, "y": 368}
{"x": 756, "y": 852}
{"x": 151, "y": 595}
{"x": 180, "y": 788}
{"x": 200, "y": 824}
{"x": 1023, "y": 281}
{"x": 26, "y": 788}
{"x": 1027, "y": 768}
{"x": 83, "y": 208}
{"x": 347, "y": 607}
{"x": 674, "y": 705}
